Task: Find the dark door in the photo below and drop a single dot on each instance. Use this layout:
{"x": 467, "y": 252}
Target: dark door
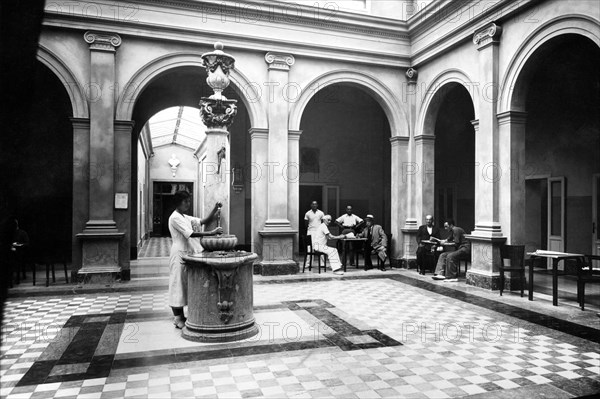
{"x": 164, "y": 205}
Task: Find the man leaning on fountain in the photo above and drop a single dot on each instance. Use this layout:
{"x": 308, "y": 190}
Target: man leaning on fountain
{"x": 180, "y": 226}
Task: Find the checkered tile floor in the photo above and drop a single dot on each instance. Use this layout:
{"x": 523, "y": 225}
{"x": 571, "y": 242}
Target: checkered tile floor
{"x": 156, "y": 247}
{"x": 450, "y": 349}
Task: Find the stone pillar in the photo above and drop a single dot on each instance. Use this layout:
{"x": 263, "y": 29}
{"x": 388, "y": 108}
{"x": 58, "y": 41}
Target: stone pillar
{"x": 81, "y": 187}
{"x": 400, "y": 154}
{"x": 487, "y": 236}
{"x": 293, "y": 175}
{"x": 410, "y": 172}
{"x": 122, "y": 176}
{"x": 277, "y": 234}
{"x": 101, "y": 237}
{"x": 425, "y": 181}
{"x": 217, "y": 176}
{"x": 257, "y": 180}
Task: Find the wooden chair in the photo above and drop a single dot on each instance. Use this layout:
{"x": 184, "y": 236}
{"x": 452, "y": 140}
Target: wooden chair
{"x": 312, "y": 253}
{"x": 49, "y": 259}
{"x": 516, "y": 255}
{"x": 586, "y": 273}
{"x": 466, "y": 262}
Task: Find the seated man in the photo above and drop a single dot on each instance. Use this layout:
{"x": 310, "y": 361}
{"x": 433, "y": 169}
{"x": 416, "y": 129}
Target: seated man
{"x": 348, "y": 223}
{"x": 376, "y": 243}
{"x": 447, "y": 265}
{"x": 425, "y": 232}
{"x": 319, "y": 241}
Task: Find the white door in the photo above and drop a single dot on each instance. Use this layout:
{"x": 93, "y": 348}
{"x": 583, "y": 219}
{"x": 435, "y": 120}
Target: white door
{"x": 596, "y": 215}
{"x": 556, "y": 214}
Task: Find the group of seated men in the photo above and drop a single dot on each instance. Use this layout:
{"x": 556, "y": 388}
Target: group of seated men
{"x": 429, "y": 242}
{"x": 317, "y": 225}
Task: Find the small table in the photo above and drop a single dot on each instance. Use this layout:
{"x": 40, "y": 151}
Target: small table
{"x": 556, "y": 257}
{"x": 345, "y": 246}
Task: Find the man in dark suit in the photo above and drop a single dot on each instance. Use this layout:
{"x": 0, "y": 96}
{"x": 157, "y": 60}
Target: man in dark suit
{"x": 425, "y": 232}
{"x": 376, "y": 243}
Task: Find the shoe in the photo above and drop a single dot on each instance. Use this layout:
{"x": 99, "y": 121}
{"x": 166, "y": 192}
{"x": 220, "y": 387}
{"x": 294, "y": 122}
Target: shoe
{"x": 438, "y": 277}
{"x": 451, "y": 280}
{"x": 367, "y": 268}
{"x": 338, "y": 272}
{"x": 179, "y": 321}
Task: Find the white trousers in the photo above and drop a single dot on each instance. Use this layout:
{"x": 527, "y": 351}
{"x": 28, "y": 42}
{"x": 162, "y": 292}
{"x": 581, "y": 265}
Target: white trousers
{"x": 332, "y": 255}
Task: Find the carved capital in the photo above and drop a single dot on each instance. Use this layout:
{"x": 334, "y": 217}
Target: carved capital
{"x": 217, "y": 113}
{"x": 488, "y": 35}
{"x": 279, "y": 61}
{"x": 412, "y": 75}
{"x": 102, "y": 41}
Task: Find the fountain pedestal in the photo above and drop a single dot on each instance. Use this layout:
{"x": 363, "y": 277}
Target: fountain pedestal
{"x": 220, "y": 296}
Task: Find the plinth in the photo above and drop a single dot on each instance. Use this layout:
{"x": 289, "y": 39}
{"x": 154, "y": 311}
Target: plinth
{"x": 220, "y": 296}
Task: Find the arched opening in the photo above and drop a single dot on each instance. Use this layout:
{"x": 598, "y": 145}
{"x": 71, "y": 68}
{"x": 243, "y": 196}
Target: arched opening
{"x": 345, "y": 154}
{"x": 175, "y": 95}
{"x": 454, "y": 185}
{"x": 559, "y": 86}
{"x": 41, "y": 162}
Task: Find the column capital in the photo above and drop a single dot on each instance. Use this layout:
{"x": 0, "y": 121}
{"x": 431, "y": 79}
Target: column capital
{"x": 279, "y": 61}
{"x": 294, "y": 134}
{"x": 258, "y": 133}
{"x": 80, "y": 123}
{"x": 490, "y": 34}
{"x": 512, "y": 117}
{"x": 412, "y": 75}
{"x": 124, "y": 126}
{"x": 102, "y": 41}
{"x": 397, "y": 140}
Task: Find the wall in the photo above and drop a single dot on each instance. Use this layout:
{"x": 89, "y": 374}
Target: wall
{"x": 352, "y": 134}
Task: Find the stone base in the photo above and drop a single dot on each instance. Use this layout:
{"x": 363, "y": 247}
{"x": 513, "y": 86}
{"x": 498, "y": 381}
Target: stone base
{"x": 99, "y": 275}
{"x": 492, "y": 282}
{"x": 398, "y": 263}
{"x": 224, "y": 336}
{"x": 276, "y": 268}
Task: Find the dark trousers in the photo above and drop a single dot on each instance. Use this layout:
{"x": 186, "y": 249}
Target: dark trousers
{"x": 447, "y": 264}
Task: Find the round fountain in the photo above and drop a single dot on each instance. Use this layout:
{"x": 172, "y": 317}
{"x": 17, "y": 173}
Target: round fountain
{"x": 220, "y": 288}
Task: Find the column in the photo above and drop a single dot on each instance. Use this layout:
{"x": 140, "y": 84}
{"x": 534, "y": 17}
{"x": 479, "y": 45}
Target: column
{"x": 277, "y": 234}
{"x": 399, "y": 211}
{"x": 425, "y": 179}
{"x": 81, "y": 186}
{"x": 101, "y": 237}
{"x": 487, "y": 236}
{"x": 123, "y": 182}
{"x": 259, "y": 139}
{"x": 410, "y": 172}
{"x": 217, "y": 176}
{"x": 293, "y": 175}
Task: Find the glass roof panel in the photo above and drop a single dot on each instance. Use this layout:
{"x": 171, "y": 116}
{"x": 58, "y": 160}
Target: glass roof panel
{"x": 177, "y": 125}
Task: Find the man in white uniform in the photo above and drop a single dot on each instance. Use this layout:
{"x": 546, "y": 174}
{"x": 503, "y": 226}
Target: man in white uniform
{"x": 180, "y": 226}
{"x": 312, "y": 221}
{"x": 319, "y": 239}
{"x": 348, "y": 223}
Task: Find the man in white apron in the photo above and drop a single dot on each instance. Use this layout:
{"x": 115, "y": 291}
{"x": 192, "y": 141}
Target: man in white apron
{"x": 182, "y": 232}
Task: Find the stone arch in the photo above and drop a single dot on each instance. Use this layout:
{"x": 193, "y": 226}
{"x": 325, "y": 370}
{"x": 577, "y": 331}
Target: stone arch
{"x": 380, "y": 92}
{"x": 433, "y": 98}
{"x": 512, "y": 90}
{"x": 71, "y": 84}
{"x": 145, "y": 75}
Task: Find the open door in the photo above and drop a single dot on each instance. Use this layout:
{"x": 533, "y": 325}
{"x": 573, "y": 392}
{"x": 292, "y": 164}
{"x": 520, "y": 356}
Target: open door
{"x": 596, "y": 215}
{"x": 556, "y": 214}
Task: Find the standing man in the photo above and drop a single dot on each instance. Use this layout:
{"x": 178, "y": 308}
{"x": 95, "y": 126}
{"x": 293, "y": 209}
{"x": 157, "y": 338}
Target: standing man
{"x": 312, "y": 220}
{"x": 348, "y": 223}
{"x": 425, "y": 232}
{"x": 447, "y": 265}
{"x": 376, "y": 243}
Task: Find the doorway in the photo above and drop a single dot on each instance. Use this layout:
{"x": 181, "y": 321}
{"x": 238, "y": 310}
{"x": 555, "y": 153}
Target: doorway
{"x": 536, "y": 214}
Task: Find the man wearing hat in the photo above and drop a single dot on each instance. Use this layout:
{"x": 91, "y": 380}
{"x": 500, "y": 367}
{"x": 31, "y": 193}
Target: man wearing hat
{"x": 376, "y": 242}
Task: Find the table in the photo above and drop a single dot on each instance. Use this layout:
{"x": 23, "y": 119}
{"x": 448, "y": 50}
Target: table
{"x": 556, "y": 257}
{"x": 345, "y": 242}
{"x": 436, "y": 252}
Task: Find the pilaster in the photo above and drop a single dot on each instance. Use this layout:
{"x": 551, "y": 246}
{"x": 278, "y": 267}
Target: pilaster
{"x": 399, "y": 206}
{"x": 292, "y": 173}
{"x": 277, "y": 234}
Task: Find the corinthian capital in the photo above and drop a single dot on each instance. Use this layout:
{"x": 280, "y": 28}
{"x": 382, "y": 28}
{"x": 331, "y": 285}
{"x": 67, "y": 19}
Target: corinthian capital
{"x": 279, "y": 61}
{"x": 490, "y": 34}
{"x": 102, "y": 41}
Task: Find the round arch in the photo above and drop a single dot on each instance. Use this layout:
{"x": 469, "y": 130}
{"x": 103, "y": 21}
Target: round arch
{"x": 512, "y": 91}
{"x": 385, "y": 97}
{"x": 433, "y": 100}
{"x": 151, "y": 70}
{"x": 70, "y": 83}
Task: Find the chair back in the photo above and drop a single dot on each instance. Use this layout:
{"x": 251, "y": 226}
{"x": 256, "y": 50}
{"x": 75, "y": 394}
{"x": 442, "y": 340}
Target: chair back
{"x": 592, "y": 264}
{"x": 514, "y": 253}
